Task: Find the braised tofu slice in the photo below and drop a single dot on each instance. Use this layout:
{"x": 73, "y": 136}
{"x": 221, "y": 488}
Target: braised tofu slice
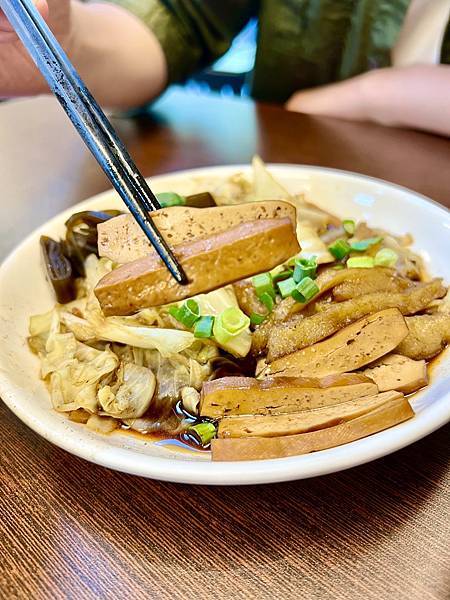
{"x": 271, "y": 396}
{"x": 390, "y": 413}
{"x": 300, "y": 422}
{"x": 122, "y": 240}
{"x": 396, "y": 372}
{"x": 209, "y": 263}
{"x": 347, "y": 350}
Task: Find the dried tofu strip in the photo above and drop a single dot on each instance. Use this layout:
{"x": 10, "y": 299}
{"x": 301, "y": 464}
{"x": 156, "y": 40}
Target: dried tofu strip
{"x": 270, "y": 396}
{"x": 347, "y": 350}
{"x": 396, "y": 372}
{"x": 122, "y": 240}
{"x": 301, "y": 422}
{"x": 385, "y": 416}
{"x": 209, "y": 263}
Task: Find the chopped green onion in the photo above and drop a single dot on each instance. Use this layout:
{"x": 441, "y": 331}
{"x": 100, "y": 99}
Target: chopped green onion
{"x": 170, "y": 199}
{"x": 290, "y": 264}
{"x": 361, "y": 262}
{"x": 202, "y": 432}
{"x": 286, "y": 287}
{"x": 363, "y": 245}
{"x": 305, "y": 290}
{"x": 188, "y": 313}
{"x": 267, "y": 300}
{"x": 338, "y": 267}
{"x": 386, "y": 258}
{"x": 257, "y": 319}
{"x": 349, "y": 226}
{"x": 340, "y": 249}
{"x": 280, "y": 276}
{"x": 304, "y": 267}
{"x": 263, "y": 284}
{"x": 174, "y": 310}
{"x": 230, "y": 323}
{"x": 204, "y": 327}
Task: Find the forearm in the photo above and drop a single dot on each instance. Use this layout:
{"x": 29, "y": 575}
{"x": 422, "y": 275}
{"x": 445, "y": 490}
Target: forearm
{"x": 119, "y": 58}
{"x": 416, "y": 97}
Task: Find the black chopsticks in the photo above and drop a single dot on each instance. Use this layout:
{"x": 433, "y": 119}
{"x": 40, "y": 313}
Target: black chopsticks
{"x": 90, "y": 122}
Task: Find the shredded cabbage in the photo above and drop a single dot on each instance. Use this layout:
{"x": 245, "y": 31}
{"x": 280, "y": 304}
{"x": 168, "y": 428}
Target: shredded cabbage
{"x": 265, "y": 186}
{"x": 312, "y": 245}
{"x": 74, "y": 384}
{"x": 130, "y": 396}
{"x": 60, "y": 351}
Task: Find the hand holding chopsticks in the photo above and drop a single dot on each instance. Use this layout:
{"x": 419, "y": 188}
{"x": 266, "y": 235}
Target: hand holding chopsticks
{"x": 90, "y": 122}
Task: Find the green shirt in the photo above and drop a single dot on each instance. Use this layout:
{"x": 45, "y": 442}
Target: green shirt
{"x": 301, "y": 43}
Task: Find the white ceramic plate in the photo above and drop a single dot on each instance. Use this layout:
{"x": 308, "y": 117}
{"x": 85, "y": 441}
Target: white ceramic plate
{"x": 24, "y": 291}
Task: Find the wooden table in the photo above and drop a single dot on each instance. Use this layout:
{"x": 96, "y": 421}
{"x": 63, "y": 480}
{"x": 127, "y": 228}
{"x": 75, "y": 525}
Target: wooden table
{"x": 70, "y": 529}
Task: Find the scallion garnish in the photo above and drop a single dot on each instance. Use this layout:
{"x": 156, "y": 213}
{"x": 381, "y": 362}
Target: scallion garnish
{"x": 230, "y": 323}
{"x": 304, "y": 267}
{"x": 267, "y": 300}
{"x": 349, "y": 226}
{"x": 286, "y": 287}
{"x": 263, "y": 284}
{"x": 187, "y": 314}
{"x": 363, "y": 245}
{"x": 340, "y": 249}
{"x": 173, "y": 311}
{"x": 257, "y": 319}
{"x": 360, "y": 262}
{"x": 204, "y": 327}
{"x": 305, "y": 290}
{"x": 202, "y": 432}
{"x": 280, "y": 276}
{"x": 170, "y": 199}
{"x": 386, "y": 258}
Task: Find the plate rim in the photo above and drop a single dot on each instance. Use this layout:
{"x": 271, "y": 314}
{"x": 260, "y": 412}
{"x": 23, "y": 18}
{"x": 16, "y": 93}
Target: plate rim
{"x": 238, "y": 472}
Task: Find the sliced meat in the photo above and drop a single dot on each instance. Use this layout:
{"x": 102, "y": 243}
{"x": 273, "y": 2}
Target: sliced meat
{"x": 396, "y": 372}
{"x": 270, "y": 396}
{"x": 351, "y": 348}
{"x": 428, "y": 335}
{"x": 387, "y": 415}
{"x": 122, "y": 240}
{"x": 289, "y": 337}
{"x": 301, "y": 422}
{"x": 208, "y": 263}
{"x": 247, "y": 298}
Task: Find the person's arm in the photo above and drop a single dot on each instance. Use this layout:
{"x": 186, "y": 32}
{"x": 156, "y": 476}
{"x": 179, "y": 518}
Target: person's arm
{"x": 120, "y": 58}
{"x": 127, "y": 51}
{"x": 116, "y": 54}
{"x": 416, "y": 97}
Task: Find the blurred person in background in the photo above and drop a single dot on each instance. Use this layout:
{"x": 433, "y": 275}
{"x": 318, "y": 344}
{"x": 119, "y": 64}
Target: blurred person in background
{"x": 386, "y": 61}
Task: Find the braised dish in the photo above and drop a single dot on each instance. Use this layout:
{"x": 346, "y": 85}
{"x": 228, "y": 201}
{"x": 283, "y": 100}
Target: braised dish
{"x": 297, "y": 332}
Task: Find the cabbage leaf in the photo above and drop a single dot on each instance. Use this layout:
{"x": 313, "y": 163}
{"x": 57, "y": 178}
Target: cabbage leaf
{"x": 130, "y": 396}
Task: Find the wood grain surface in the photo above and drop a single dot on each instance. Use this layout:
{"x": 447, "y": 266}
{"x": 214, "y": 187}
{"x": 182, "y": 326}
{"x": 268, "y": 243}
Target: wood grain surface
{"x": 73, "y": 530}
